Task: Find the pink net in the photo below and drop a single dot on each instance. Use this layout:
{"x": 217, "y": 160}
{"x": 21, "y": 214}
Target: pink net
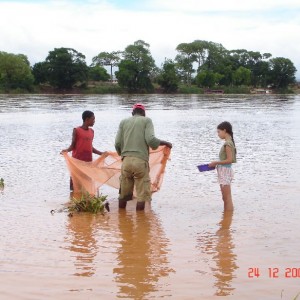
{"x": 90, "y": 176}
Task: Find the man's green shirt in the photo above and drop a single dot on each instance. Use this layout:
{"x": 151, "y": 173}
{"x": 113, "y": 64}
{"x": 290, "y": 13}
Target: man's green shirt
{"x": 135, "y": 136}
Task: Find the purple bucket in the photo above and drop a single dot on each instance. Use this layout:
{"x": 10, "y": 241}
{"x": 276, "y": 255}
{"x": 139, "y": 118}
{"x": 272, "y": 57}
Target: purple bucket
{"x": 204, "y": 168}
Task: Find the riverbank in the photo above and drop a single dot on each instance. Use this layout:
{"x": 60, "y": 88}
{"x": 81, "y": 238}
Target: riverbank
{"x": 113, "y": 88}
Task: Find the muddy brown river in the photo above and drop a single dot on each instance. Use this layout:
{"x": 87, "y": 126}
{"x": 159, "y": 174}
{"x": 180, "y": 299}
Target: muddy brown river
{"x": 183, "y": 246}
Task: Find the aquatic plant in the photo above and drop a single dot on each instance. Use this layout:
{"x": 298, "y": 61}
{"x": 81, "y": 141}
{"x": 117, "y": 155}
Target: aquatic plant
{"x": 89, "y": 203}
{"x": 1, "y": 184}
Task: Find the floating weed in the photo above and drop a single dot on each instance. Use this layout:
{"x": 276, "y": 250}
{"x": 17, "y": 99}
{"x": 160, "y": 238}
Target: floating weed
{"x": 1, "y": 184}
{"x": 89, "y": 203}
{"x": 86, "y": 203}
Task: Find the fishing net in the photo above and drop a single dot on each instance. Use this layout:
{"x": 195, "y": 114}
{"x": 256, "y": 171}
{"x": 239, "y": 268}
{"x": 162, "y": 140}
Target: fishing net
{"x": 90, "y": 176}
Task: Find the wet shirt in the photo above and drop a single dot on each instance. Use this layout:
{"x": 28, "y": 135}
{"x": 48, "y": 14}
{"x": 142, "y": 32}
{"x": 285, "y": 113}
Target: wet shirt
{"x": 135, "y": 136}
{"x": 83, "y": 144}
{"x": 222, "y": 154}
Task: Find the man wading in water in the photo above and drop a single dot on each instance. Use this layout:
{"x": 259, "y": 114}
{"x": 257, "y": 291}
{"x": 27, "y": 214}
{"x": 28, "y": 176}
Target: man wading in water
{"x": 134, "y": 137}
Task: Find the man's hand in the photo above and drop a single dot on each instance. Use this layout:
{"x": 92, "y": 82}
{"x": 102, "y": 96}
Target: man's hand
{"x": 169, "y": 145}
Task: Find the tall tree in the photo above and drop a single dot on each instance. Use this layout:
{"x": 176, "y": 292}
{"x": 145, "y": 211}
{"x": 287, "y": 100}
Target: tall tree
{"x": 200, "y": 50}
{"x": 169, "y": 79}
{"x": 242, "y": 76}
{"x": 282, "y": 72}
{"x": 98, "y": 73}
{"x": 136, "y": 67}
{"x": 15, "y": 71}
{"x": 66, "y": 67}
{"x": 216, "y": 57}
{"x": 208, "y": 79}
{"x": 185, "y": 60}
{"x": 111, "y": 59}
{"x": 40, "y": 72}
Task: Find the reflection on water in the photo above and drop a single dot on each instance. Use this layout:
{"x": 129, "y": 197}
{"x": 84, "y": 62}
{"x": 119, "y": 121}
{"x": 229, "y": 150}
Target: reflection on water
{"x": 142, "y": 255}
{"x": 220, "y": 247}
{"x": 129, "y": 255}
{"x": 81, "y": 235}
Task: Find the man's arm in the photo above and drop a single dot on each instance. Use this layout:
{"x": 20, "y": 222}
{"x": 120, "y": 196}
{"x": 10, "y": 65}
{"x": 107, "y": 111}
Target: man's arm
{"x": 164, "y": 143}
{"x": 151, "y": 140}
{"x": 73, "y": 143}
{"x": 119, "y": 139}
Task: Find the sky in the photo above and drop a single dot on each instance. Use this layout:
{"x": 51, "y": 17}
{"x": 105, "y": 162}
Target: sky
{"x": 34, "y": 27}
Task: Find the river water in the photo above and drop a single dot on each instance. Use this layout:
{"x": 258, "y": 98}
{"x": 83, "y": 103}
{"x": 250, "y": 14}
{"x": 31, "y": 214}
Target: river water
{"x": 183, "y": 246}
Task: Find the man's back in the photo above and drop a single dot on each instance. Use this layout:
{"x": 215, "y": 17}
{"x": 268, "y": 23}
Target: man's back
{"x": 135, "y": 136}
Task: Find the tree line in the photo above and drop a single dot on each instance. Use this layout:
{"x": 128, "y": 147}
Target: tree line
{"x": 202, "y": 63}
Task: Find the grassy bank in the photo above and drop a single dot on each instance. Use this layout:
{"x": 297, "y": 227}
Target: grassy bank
{"x": 114, "y": 88}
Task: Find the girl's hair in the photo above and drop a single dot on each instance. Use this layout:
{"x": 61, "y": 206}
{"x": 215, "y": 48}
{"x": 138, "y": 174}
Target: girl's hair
{"x": 228, "y": 127}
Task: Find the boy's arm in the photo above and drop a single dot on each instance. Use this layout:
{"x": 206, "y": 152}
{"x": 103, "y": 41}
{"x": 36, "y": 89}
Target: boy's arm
{"x": 72, "y": 146}
{"x": 97, "y": 151}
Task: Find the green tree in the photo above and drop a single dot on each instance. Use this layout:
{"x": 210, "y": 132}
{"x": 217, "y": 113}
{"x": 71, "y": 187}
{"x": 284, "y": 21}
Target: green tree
{"x": 168, "y": 79}
{"x": 256, "y": 62}
{"x": 98, "y": 73}
{"x": 208, "y": 79}
{"x": 135, "y": 69}
{"x": 185, "y": 60}
{"x": 15, "y": 72}
{"x": 200, "y": 52}
{"x": 260, "y": 73}
{"x": 40, "y": 72}
{"x": 111, "y": 59}
{"x": 66, "y": 67}
{"x": 242, "y": 76}
{"x": 282, "y": 72}
{"x": 217, "y": 57}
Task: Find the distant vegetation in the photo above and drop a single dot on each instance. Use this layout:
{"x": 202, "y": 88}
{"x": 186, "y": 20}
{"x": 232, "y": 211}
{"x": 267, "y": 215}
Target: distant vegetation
{"x": 198, "y": 66}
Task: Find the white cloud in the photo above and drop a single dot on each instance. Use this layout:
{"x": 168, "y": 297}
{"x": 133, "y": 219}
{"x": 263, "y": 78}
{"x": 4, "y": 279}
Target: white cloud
{"x": 221, "y": 5}
{"x": 35, "y": 29}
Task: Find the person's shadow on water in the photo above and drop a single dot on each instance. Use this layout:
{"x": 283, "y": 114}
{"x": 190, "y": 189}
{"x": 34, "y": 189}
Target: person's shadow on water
{"x": 220, "y": 246}
{"x": 142, "y": 256}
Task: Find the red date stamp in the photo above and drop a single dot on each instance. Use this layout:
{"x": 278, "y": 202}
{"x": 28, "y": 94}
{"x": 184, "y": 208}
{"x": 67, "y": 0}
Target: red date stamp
{"x": 274, "y": 273}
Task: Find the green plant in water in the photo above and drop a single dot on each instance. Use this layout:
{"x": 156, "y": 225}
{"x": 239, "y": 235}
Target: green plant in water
{"x": 89, "y": 203}
{"x": 1, "y": 184}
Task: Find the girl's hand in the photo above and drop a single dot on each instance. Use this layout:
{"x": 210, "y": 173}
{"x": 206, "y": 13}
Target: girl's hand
{"x": 213, "y": 164}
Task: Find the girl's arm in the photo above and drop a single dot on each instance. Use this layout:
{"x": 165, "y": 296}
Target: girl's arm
{"x": 72, "y": 146}
{"x": 227, "y": 161}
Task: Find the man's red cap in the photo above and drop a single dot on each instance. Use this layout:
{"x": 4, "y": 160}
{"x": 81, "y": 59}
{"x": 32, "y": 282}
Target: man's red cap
{"x": 138, "y": 105}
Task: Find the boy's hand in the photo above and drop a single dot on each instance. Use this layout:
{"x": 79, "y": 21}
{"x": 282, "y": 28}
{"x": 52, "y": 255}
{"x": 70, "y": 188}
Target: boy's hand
{"x": 63, "y": 151}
